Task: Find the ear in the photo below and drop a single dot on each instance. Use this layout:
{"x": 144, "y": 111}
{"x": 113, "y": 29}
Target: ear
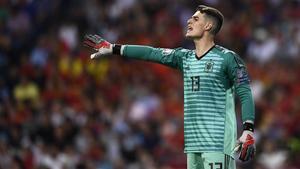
{"x": 208, "y": 26}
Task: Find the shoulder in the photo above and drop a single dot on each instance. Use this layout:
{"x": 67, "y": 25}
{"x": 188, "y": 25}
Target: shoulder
{"x": 180, "y": 52}
{"x": 183, "y": 50}
{"x": 229, "y": 55}
{"x": 224, "y": 52}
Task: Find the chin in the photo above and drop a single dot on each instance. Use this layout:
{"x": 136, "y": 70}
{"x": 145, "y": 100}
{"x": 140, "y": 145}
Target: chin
{"x": 189, "y": 36}
{"x": 192, "y": 36}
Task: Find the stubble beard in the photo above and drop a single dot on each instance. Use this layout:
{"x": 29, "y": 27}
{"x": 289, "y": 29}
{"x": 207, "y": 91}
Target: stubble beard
{"x": 192, "y": 37}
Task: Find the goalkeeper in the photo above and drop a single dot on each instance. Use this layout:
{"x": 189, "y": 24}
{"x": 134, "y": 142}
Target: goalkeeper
{"x": 212, "y": 75}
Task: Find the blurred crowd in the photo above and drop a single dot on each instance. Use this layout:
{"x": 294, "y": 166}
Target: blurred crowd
{"x": 61, "y": 110}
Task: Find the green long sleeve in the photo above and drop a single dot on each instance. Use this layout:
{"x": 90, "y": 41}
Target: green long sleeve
{"x": 168, "y": 57}
{"x": 245, "y": 95}
{"x": 239, "y": 76}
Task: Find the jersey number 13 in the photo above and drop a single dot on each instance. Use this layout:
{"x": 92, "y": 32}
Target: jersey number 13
{"x": 195, "y": 83}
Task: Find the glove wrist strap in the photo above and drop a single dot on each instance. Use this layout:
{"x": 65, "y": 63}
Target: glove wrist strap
{"x": 116, "y": 49}
{"x": 248, "y": 126}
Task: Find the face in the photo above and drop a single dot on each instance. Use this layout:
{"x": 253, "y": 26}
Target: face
{"x": 197, "y": 25}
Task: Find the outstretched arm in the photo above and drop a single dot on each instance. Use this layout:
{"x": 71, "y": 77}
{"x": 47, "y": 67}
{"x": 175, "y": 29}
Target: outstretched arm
{"x": 169, "y": 57}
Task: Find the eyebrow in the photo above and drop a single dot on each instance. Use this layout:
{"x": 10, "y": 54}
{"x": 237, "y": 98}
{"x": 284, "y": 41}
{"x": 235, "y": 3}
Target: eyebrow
{"x": 195, "y": 17}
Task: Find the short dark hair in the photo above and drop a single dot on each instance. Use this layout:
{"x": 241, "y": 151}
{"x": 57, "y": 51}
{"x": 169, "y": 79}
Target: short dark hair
{"x": 215, "y": 15}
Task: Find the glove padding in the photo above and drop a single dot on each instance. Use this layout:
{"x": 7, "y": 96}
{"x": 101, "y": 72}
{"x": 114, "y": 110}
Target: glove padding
{"x": 99, "y": 44}
{"x": 246, "y": 146}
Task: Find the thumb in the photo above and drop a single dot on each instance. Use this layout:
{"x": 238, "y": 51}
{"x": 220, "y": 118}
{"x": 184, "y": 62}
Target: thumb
{"x": 238, "y": 146}
{"x": 95, "y": 55}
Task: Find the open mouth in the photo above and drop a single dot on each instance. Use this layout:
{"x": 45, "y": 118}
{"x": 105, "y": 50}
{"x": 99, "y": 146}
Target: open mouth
{"x": 189, "y": 29}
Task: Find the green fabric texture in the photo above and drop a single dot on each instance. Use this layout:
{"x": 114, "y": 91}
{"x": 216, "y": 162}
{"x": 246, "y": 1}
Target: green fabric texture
{"x": 210, "y": 85}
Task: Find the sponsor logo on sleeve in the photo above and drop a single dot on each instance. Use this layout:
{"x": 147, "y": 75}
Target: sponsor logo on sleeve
{"x": 167, "y": 51}
{"x": 242, "y": 76}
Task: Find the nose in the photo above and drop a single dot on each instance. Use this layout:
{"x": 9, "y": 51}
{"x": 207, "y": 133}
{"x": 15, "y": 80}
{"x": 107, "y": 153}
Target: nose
{"x": 189, "y": 21}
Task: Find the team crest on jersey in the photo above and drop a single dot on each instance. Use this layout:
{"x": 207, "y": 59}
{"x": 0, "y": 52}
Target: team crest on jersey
{"x": 167, "y": 51}
{"x": 209, "y": 66}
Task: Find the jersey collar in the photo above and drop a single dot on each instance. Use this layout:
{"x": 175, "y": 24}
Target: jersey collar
{"x": 198, "y": 58}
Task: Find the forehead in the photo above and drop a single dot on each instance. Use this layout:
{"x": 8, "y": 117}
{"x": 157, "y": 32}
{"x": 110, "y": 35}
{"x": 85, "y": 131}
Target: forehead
{"x": 198, "y": 13}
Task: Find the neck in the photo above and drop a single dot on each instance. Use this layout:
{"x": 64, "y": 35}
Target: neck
{"x": 203, "y": 45}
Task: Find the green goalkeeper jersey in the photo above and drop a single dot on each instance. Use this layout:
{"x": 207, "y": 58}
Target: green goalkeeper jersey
{"x": 210, "y": 84}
